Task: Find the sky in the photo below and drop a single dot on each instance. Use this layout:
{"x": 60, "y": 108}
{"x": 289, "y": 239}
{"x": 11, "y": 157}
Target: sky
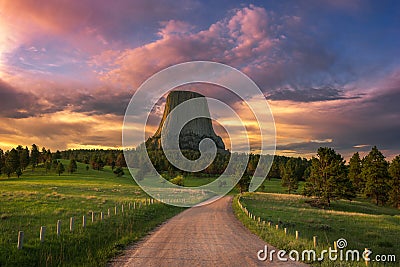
{"x": 330, "y": 70}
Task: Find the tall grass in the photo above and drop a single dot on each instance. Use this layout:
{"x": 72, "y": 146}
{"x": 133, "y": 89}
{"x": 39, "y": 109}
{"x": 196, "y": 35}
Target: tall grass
{"x": 362, "y": 224}
{"x": 39, "y": 199}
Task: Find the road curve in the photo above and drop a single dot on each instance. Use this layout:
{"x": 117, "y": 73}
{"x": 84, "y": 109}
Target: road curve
{"x": 208, "y": 235}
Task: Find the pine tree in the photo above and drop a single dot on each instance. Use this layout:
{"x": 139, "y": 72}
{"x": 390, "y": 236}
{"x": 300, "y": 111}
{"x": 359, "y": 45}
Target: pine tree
{"x": 72, "y": 167}
{"x": 1, "y": 161}
{"x": 328, "y": 179}
{"x": 34, "y": 156}
{"x": 18, "y": 172}
{"x": 119, "y": 171}
{"x": 11, "y": 162}
{"x": 60, "y": 168}
{"x": 290, "y": 179}
{"x": 355, "y": 173}
{"x": 394, "y": 183}
{"x": 120, "y": 162}
{"x": 375, "y": 173}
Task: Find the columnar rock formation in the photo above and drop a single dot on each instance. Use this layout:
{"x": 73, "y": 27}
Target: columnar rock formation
{"x": 195, "y": 130}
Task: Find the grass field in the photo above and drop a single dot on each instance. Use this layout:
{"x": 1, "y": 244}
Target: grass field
{"x": 39, "y": 199}
{"x": 194, "y": 181}
{"x": 362, "y": 224}
{"x": 274, "y": 186}
{"x": 268, "y": 186}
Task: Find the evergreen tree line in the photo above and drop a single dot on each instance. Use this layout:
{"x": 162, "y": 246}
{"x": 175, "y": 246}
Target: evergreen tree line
{"x": 327, "y": 176}
{"x": 371, "y": 177}
{"x": 16, "y": 160}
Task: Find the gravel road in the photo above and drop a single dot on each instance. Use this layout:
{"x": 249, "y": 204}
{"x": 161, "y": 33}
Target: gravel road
{"x": 208, "y": 235}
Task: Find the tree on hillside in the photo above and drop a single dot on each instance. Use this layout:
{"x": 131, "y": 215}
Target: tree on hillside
{"x": 24, "y": 158}
{"x": 1, "y": 161}
{"x": 47, "y": 166}
{"x": 244, "y": 183}
{"x": 394, "y": 192}
{"x": 118, "y": 171}
{"x": 43, "y": 155}
{"x": 60, "y": 168}
{"x": 375, "y": 173}
{"x": 178, "y": 180}
{"x": 11, "y": 162}
{"x": 355, "y": 173}
{"x": 72, "y": 167}
{"x": 328, "y": 179}
{"x": 18, "y": 172}
{"x": 289, "y": 178}
{"x": 34, "y": 156}
{"x": 97, "y": 163}
{"x": 120, "y": 162}
{"x": 57, "y": 155}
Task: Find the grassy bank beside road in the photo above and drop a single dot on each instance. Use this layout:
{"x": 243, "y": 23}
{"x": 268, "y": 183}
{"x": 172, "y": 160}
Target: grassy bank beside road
{"x": 39, "y": 199}
{"x": 362, "y": 224}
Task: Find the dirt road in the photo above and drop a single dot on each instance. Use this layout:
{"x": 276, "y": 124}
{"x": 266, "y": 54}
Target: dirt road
{"x": 209, "y": 235}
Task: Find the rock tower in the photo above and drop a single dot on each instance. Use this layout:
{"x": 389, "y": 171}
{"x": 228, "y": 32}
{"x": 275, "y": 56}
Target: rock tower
{"x": 195, "y": 130}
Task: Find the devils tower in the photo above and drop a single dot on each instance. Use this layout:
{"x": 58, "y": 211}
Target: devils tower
{"x": 195, "y": 130}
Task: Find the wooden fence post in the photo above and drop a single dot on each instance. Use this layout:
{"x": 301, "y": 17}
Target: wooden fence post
{"x": 20, "y": 239}
{"x": 83, "y": 221}
{"x": 108, "y": 212}
{"x": 42, "y": 233}
{"x": 285, "y": 230}
{"x": 71, "y": 224}
{"x": 277, "y": 226}
{"x": 92, "y": 216}
{"x": 366, "y": 257}
{"x": 58, "y": 227}
{"x": 122, "y": 208}
{"x": 115, "y": 210}
{"x": 297, "y": 234}
{"x": 315, "y": 241}
{"x": 101, "y": 216}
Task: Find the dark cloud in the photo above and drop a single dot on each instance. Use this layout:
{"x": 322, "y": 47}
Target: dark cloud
{"x": 325, "y": 93}
{"x": 373, "y": 119}
{"x": 102, "y": 102}
{"x": 304, "y": 147}
{"x": 17, "y": 104}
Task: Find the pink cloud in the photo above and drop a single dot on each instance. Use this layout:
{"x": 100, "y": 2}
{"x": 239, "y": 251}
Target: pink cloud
{"x": 174, "y": 27}
{"x": 239, "y": 40}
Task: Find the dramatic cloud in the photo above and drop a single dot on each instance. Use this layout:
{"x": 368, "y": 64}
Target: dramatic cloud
{"x": 17, "y": 104}
{"x": 20, "y": 104}
{"x": 237, "y": 40}
{"x": 309, "y": 94}
{"x": 329, "y": 69}
{"x": 275, "y": 51}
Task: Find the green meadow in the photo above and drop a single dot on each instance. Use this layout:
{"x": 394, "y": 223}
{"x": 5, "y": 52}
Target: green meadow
{"x": 41, "y": 199}
{"x": 361, "y": 223}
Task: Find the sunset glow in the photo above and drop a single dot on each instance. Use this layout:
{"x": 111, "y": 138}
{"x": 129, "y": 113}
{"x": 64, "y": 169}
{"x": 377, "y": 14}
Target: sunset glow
{"x": 330, "y": 70}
